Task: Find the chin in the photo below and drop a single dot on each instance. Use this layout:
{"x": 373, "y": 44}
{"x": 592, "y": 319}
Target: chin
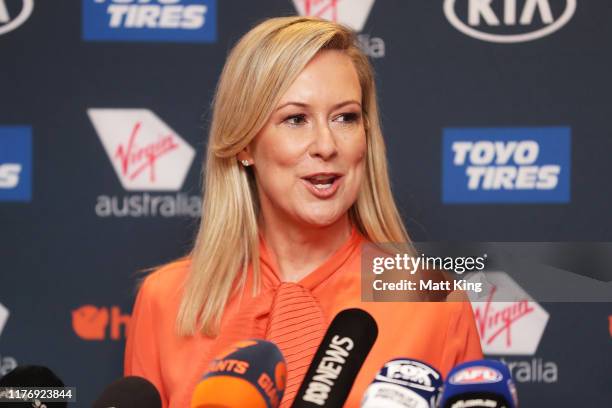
{"x": 322, "y": 218}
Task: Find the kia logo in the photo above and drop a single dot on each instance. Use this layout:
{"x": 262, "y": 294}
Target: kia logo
{"x": 484, "y": 18}
{"x": 8, "y": 22}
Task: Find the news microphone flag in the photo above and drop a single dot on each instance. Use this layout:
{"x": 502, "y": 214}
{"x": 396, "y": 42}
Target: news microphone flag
{"x": 250, "y": 374}
{"x": 479, "y": 384}
{"x": 129, "y": 392}
{"x": 404, "y": 383}
{"x": 338, "y": 359}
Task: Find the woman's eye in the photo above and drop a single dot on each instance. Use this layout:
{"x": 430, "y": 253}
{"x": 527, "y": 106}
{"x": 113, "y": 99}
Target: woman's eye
{"x": 296, "y": 120}
{"x": 348, "y": 117}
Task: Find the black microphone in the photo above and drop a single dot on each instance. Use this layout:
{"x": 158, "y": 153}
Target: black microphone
{"x": 32, "y": 376}
{"x": 129, "y": 392}
{"x": 338, "y": 359}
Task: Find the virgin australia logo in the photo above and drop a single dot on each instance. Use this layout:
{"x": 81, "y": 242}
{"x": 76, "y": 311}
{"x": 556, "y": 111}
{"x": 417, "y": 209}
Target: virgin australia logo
{"x": 509, "y": 321}
{"x": 4, "y": 315}
{"x": 509, "y": 21}
{"x": 352, "y": 13}
{"x": 144, "y": 151}
{"x": 7, "y": 363}
{"x": 148, "y": 156}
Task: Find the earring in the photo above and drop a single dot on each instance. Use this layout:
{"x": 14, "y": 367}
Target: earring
{"x": 245, "y": 163}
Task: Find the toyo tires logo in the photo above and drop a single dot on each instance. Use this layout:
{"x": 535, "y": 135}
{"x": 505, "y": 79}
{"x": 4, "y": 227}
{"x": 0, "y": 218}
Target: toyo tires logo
{"x": 506, "y": 165}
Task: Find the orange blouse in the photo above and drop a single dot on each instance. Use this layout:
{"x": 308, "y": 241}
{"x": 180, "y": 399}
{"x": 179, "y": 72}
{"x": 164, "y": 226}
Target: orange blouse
{"x": 441, "y": 334}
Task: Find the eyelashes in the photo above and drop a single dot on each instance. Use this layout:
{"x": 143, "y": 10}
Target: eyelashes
{"x": 351, "y": 117}
{"x": 343, "y": 118}
{"x": 295, "y": 120}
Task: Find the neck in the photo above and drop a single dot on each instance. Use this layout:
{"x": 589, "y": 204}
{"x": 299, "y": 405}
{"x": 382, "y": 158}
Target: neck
{"x": 299, "y": 249}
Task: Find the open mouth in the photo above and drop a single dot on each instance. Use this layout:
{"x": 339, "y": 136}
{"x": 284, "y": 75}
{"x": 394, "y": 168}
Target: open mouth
{"x": 322, "y": 181}
{"x": 323, "y": 185}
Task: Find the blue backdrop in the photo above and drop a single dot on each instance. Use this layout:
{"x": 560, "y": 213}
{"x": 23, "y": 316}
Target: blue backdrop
{"x": 104, "y": 110}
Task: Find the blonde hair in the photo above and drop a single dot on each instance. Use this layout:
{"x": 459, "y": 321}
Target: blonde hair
{"x": 257, "y": 73}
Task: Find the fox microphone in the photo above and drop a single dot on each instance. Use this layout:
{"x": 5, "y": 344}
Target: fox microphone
{"x": 250, "y": 374}
{"x": 404, "y": 383}
{"x": 338, "y": 359}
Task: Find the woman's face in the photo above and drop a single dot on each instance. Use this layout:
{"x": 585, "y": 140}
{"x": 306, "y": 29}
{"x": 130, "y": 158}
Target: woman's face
{"x": 309, "y": 159}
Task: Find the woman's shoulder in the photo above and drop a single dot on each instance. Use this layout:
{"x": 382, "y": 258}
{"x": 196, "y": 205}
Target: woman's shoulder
{"x": 166, "y": 281}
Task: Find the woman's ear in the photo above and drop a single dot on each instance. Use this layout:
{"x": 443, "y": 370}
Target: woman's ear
{"x": 245, "y": 157}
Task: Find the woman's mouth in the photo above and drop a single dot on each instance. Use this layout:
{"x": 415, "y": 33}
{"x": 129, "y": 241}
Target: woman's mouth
{"x": 322, "y": 185}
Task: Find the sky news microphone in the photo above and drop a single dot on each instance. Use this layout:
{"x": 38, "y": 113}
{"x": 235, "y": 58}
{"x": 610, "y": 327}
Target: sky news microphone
{"x": 338, "y": 359}
{"x": 479, "y": 384}
{"x": 32, "y": 376}
{"x": 129, "y": 392}
{"x": 404, "y": 383}
{"x": 250, "y": 374}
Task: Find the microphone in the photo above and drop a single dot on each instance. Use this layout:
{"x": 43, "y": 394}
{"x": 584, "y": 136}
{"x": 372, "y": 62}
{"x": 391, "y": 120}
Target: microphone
{"x": 129, "y": 392}
{"x": 32, "y": 376}
{"x": 479, "y": 384}
{"x": 404, "y": 383}
{"x": 250, "y": 374}
{"x": 338, "y": 359}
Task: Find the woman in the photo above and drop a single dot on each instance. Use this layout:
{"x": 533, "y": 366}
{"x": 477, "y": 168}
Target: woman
{"x": 295, "y": 182}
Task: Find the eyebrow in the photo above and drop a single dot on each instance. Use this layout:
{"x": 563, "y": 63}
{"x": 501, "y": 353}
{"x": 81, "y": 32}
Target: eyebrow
{"x": 305, "y": 105}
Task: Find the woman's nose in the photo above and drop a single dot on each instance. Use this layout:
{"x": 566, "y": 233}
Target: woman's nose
{"x": 324, "y": 142}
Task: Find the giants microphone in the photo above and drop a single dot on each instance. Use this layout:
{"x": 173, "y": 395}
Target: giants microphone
{"x": 129, "y": 392}
{"x": 404, "y": 383}
{"x": 338, "y": 359}
{"x": 250, "y": 374}
{"x": 479, "y": 384}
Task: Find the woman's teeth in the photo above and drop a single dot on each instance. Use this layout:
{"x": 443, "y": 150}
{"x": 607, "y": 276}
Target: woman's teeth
{"x": 323, "y": 186}
{"x": 322, "y": 183}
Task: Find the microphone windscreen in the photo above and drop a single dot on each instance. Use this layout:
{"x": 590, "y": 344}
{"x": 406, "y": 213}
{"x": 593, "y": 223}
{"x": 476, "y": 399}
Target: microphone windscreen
{"x": 404, "y": 383}
{"x": 32, "y": 376}
{"x": 338, "y": 359}
{"x": 129, "y": 392}
{"x": 250, "y": 374}
{"x": 479, "y": 384}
